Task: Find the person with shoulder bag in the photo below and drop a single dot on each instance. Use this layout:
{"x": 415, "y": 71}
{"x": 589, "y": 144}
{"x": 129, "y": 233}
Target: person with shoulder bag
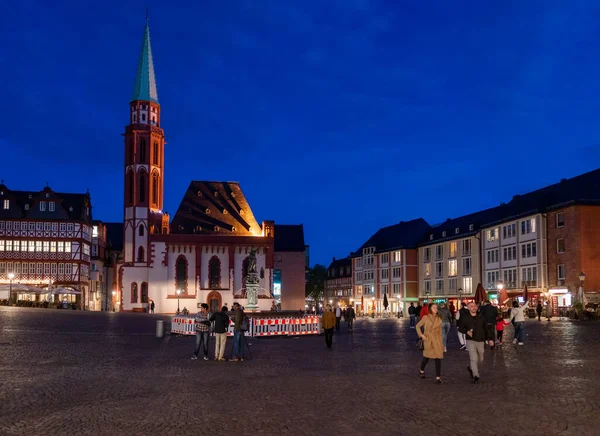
{"x": 429, "y": 329}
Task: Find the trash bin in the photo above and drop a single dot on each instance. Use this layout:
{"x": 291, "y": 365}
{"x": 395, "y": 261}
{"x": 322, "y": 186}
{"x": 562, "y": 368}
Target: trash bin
{"x": 160, "y": 328}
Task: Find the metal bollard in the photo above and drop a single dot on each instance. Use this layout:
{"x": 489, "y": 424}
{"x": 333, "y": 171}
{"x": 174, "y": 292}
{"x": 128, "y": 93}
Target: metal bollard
{"x": 160, "y": 328}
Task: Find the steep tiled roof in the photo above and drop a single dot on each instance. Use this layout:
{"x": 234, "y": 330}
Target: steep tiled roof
{"x": 337, "y": 263}
{"x": 582, "y": 189}
{"x": 145, "y": 82}
{"x": 406, "y": 234}
{"x": 462, "y": 226}
{"x": 114, "y": 236}
{"x": 215, "y": 208}
{"x": 289, "y": 237}
{"x": 26, "y": 204}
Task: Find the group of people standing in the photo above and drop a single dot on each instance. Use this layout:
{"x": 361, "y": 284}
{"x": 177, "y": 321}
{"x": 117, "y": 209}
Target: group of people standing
{"x": 476, "y": 327}
{"x": 204, "y": 321}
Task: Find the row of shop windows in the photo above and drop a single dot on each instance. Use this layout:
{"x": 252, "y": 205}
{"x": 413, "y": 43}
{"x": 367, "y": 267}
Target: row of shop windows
{"x": 19, "y": 268}
{"x": 40, "y": 246}
{"x": 38, "y": 226}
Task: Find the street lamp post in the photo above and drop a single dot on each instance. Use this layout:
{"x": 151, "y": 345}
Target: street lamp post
{"x": 178, "y": 293}
{"x": 11, "y": 277}
{"x": 114, "y": 294}
{"x": 460, "y": 291}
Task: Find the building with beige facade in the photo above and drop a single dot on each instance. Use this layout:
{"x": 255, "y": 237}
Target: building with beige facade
{"x": 450, "y": 258}
{"x": 387, "y": 264}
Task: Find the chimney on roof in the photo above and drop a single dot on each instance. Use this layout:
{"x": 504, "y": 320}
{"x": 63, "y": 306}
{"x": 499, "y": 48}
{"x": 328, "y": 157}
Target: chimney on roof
{"x": 334, "y": 258}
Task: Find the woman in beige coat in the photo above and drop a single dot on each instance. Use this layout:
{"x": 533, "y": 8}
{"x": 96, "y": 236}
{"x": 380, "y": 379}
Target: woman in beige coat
{"x": 431, "y": 333}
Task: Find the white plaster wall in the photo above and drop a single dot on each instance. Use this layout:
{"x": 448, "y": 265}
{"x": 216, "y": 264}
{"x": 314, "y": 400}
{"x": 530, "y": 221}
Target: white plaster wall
{"x": 133, "y": 274}
{"x": 190, "y": 254}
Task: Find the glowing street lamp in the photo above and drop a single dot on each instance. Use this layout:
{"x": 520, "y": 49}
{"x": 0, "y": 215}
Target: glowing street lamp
{"x": 11, "y": 277}
{"x": 581, "y": 279}
{"x": 500, "y": 285}
{"x": 178, "y": 293}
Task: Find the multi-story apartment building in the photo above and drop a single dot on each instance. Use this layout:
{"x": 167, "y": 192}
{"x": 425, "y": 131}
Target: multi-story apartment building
{"x": 338, "y": 284}
{"x": 387, "y": 264}
{"x": 450, "y": 258}
{"x": 514, "y": 253}
{"x": 45, "y": 240}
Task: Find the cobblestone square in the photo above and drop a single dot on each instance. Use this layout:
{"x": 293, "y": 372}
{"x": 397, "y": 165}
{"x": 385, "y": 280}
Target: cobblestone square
{"x": 89, "y": 373}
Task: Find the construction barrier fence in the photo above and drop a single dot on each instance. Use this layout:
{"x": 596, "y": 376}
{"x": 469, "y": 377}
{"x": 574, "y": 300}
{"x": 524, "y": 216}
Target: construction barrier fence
{"x": 259, "y": 327}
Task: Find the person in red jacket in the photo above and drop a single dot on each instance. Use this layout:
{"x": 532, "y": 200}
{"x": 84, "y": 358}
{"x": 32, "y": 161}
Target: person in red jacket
{"x": 500, "y": 324}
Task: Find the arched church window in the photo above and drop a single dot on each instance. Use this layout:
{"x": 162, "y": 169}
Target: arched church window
{"x": 155, "y": 189}
{"x": 155, "y": 153}
{"x": 134, "y": 293}
{"x": 214, "y": 273}
{"x": 144, "y": 292}
{"x": 140, "y": 256}
{"x": 142, "y": 187}
{"x": 181, "y": 271}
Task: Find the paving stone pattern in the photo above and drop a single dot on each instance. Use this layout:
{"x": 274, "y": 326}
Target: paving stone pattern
{"x": 82, "y": 373}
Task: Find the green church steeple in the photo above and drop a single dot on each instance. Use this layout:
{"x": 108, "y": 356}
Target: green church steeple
{"x": 145, "y": 82}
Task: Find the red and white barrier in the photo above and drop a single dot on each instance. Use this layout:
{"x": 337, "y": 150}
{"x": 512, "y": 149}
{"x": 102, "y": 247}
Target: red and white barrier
{"x": 304, "y": 326}
{"x": 259, "y": 327}
{"x": 183, "y": 325}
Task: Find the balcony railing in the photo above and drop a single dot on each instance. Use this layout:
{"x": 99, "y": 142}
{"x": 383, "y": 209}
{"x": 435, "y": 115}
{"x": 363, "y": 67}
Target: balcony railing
{"x": 439, "y": 292}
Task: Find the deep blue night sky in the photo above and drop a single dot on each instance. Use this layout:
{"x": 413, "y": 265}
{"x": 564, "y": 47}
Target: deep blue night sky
{"x": 343, "y": 115}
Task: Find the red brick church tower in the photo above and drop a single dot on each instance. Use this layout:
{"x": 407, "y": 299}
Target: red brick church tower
{"x": 144, "y": 163}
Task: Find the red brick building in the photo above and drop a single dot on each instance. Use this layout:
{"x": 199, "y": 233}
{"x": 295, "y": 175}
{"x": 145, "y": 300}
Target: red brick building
{"x": 574, "y": 247}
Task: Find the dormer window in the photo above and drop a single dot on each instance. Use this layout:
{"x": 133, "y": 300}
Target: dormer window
{"x": 457, "y": 230}
{"x": 70, "y": 208}
{"x": 199, "y": 194}
{"x": 42, "y": 206}
{"x": 224, "y": 211}
{"x": 47, "y": 195}
{"x": 233, "y": 229}
{"x": 431, "y": 237}
{"x": 207, "y": 210}
{"x": 471, "y": 226}
{"x": 241, "y": 211}
{"x": 26, "y": 207}
{"x": 216, "y": 194}
{"x": 443, "y": 234}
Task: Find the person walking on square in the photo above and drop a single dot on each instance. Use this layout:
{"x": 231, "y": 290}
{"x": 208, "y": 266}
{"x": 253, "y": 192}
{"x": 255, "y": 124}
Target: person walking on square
{"x": 418, "y": 312}
{"x": 461, "y": 336}
{"x": 338, "y": 318}
{"x": 412, "y": 314}
{"x": 517, "y": 316}
{"x": 539, "y": 309}
{"x": 202, "y": 331}
{"x": 473, "y": 325}
{"x": 429, "y": 329}
{"x": 152, "y": 306}
{"x": 350, "y": 315}
{"x": 452, "y": 310}
{"x": 329, "y": 323}
{"x": 238, "y": 333}
{"x": 221, "y": 321}
{"x": 500, "y": 325}
{"x": 490, "y": 313}
{"x": 446, "y": 317}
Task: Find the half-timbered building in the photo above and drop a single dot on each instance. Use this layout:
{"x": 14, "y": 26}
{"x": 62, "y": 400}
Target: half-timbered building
{"x": 45, "y": 240}
{"x": 201, "y": 256}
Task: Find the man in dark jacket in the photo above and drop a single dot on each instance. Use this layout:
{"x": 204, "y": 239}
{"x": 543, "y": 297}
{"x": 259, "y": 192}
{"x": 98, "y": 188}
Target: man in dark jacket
{"x": 349, "y": 316}
{"x": 490, "y": 313}
{"x": 238, "y": 333}
{"x": 461, "y": 336}
{"x": 418, "y": 311}
{"x": 221, "y": 321}
{"x": 473, "y": 325}
{"x": 412, "y": 315}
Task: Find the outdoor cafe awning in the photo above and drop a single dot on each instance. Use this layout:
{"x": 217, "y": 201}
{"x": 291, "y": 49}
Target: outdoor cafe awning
{"x": 18, "y": 287}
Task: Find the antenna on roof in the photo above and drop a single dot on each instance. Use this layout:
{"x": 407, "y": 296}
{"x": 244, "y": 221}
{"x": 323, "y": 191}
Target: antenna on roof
{"x": 146, "y": 14}
{"x": 46, "y": 184}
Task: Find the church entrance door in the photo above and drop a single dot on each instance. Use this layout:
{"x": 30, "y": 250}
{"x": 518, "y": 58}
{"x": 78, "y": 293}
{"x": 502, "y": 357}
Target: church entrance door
{"x": 214, "y": 302}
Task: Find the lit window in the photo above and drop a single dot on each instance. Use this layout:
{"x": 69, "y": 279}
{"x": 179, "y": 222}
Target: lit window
{"x": 42, "y": 206}
{"x": 95, "y": 232}
{"x": 6, "y": 204}
{"x": 452, "y": 267}
{"x": 560, "y": 219}
{"x": 51, "y": 206}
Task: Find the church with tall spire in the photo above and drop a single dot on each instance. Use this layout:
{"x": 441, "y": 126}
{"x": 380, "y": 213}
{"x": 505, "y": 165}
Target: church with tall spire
{"x": 202, "y": 255}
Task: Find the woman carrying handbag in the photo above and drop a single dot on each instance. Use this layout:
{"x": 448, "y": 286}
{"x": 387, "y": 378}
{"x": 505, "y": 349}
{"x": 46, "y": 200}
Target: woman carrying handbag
{"x": 429, "y": 330}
